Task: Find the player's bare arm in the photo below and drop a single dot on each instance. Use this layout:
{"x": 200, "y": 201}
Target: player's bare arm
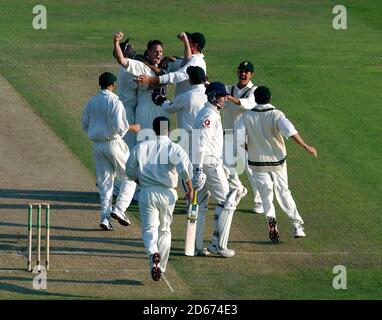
{"x": 187, "y": 49}
{"x": 307, "y": 147}
{"x": 135, "y": 128}
{"x": 118, "y": 36}
{"x": 234, "y": 100}
{"x": 146, "y": 80}
{"x": 190, "y": 190}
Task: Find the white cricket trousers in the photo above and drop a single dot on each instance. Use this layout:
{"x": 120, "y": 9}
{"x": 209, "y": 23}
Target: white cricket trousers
{"x": 218, "y": 186}
{"x": 216, "y": 182}
{"x": 156, "y": 206}
{"x": 276, "y": 183}
{"x": 110, "y": 161}
{"x": 241, "y": 165}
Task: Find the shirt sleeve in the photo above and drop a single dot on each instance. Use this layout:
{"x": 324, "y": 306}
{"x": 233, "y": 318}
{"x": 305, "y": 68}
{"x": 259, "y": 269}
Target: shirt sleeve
{"x": 179, "y": 75}
{"x": 118, "y": 119}
{"x": 240, "y": 131}
{"x": 182, "y": 162}
{"x": 286, "y": 127}
{"x": 85, "y": 118}
{"x": 137, "y": 68}
{"x": 175, "y": 106}
{"x": 249, "y": 102}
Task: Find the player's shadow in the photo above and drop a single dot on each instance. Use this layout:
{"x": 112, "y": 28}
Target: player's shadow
{"x": 18, "y": 289}
{"x": 49, "y": 196}
{"x": 116, "y": 282}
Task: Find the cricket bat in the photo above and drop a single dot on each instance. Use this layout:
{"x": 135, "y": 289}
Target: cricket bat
{"x": 192, "y": 215}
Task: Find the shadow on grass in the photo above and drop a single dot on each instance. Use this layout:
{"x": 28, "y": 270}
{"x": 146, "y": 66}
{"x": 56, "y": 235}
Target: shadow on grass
{"x": 116, "y": 282}
{"x": 49, "y": 195}
{"x": 14, "y": 288}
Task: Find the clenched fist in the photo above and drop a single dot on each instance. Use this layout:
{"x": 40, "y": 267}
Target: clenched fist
{"x": 118, "y": 36}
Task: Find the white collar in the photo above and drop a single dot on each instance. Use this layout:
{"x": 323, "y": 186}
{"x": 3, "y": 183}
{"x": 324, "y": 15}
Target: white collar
{"x": 108, "y": 92}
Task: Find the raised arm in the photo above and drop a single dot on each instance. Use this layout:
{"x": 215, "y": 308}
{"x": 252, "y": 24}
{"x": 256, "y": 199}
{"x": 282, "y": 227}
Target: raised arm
{"x": 172, "y": 77}
{"x": 118, "y": 36}
{"x": 187, "y": 50}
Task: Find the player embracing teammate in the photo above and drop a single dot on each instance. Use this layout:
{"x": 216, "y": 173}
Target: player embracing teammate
{"x": 255, "y": 123}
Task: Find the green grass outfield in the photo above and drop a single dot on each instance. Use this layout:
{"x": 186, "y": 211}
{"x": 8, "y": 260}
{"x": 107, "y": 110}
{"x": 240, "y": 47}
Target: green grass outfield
{"x": 328, "y": 82}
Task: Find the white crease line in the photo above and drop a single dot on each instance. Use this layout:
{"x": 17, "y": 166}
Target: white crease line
{"x": 95, "y": 270}
{"x": 243, "y": 252}
{"x": 82, "y": 253}
{"x": 168, "y": 284}
{"x": 309, "y": 253}
{"x": 79, "y": 270}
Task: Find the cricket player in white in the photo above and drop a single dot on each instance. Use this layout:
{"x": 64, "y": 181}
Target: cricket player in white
{"x": 187, "y": 105}
{"x": 197, "y": 42}
{"x": 241, "y": 99}
{"x": 146, "y": 111}
{"x": 127, "y": 93}
{"x": 104, "y": 121}
{"x": 264, "y": 128}
{"x": 208, "y": 157}
{"x": 156, "y": 164}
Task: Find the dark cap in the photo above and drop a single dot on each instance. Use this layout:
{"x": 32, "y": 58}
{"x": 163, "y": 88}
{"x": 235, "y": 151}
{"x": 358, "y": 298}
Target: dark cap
{"x": 196, "y": 74}
{"x": 262, "y": 95}
{"x": 197, "y": 37}
{"x": 106, "y": 79}
{"x": 246, "y": 65}
{"x": 128, "y": 50}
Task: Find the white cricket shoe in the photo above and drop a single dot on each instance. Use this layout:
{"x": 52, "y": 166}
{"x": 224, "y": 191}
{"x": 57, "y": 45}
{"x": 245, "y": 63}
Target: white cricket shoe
{"x": 106, "y": 225}
{"x": 258, "y": 208}
{"x": 298, "y": 231}
{"x": 122, "y": 219}
{"x": 241, "y": 193}
{"x": 226, "y": 253}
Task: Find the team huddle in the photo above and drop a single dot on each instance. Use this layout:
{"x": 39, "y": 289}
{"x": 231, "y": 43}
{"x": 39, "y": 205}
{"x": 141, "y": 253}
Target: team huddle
{"x": 135, "y": 156}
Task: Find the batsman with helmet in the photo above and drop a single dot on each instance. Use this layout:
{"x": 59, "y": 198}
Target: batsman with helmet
{"x": 210, "y": 175}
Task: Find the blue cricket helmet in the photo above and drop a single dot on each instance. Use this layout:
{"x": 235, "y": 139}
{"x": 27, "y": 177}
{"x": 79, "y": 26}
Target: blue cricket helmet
{"x": 216, "y": 89}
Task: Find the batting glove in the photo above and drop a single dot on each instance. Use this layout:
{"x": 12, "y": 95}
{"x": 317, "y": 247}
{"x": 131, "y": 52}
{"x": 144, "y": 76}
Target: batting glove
{"x": 158, "y": 98}
{"x": 199, "y": 179}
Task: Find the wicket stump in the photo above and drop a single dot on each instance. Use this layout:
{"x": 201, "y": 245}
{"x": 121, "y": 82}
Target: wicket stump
{"x": 47, "y": 235}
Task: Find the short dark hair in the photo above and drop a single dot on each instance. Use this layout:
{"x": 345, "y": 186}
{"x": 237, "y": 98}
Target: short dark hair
{"x": 198, "y": 38}
{"x": 196, "y": 74}
{"x": 161, "y": 124}
{"x": 106, "y": 79}
{"x": 262, "y": 95}
{"x": 153, "y": 43}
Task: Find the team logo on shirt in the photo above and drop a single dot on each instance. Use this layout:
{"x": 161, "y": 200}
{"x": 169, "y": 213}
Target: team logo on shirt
{"x": 206, "y": 123}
